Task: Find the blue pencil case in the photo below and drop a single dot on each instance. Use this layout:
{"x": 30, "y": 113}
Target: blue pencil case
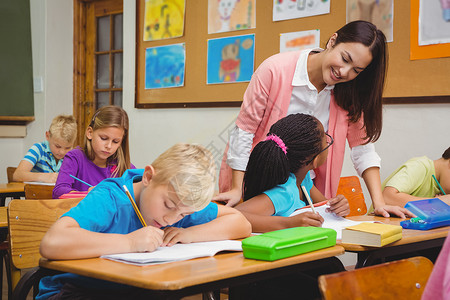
{"x": 433, "y": 213}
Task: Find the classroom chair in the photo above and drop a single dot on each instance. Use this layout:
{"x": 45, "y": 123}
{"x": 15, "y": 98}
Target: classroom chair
{"x": 28, "y": 221}
{"x": 350, "y": 187}
{"x": 9, "y": 172}
{"x": 402, "y": 279}
{"x": 37, "y": 191}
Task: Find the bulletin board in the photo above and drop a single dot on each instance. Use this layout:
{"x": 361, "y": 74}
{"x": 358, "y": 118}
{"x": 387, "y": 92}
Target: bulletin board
{"x": 418, "y": 81}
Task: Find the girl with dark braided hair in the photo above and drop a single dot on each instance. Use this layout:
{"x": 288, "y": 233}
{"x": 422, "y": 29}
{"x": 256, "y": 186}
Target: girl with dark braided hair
{"x": 278, "y": 166}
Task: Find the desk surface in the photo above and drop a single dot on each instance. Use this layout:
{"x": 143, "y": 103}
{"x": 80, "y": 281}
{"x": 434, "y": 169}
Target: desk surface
{"x": 409, "y": 236}
{"x": 182, "y": 274}
{"x": 12, "y": 187}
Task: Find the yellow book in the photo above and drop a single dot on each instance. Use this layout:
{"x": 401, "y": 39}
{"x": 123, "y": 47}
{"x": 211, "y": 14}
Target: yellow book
{"x": 371, "y": 234}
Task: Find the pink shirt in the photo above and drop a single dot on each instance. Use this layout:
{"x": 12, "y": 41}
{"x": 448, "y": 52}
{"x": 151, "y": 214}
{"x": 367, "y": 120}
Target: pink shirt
{"x": 438, "y": 285}
{"x": 267, "y": 99}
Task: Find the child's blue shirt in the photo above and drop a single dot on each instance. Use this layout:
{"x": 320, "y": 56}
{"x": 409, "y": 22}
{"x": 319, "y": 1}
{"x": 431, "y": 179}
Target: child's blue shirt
{"x": 286, "y": 197}
{"x": 42, "y": 159}
{"x": 107, "y": 209}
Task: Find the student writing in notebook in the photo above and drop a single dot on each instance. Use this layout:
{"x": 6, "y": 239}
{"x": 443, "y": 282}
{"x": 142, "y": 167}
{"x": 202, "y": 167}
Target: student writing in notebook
{"x": 43, "y": 161}
{"x": 414, "y": 180}
{"x": 278, "y": 166}
{"x": 105, "y": 153}
{"x": 173, "y": 196}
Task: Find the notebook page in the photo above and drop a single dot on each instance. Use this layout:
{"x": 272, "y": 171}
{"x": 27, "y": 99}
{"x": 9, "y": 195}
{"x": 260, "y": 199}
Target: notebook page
{"x": 176, "y": 252}
{"x": 331, "y": 220}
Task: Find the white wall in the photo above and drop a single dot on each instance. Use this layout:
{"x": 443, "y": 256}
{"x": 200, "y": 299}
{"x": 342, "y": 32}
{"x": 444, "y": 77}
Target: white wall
{"x": 409, "y": 130}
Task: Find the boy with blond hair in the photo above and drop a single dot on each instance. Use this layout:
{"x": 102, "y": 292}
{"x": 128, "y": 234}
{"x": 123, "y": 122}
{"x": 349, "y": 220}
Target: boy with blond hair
{"x": 173, "y": 195}
{"x": 43, "y": 160}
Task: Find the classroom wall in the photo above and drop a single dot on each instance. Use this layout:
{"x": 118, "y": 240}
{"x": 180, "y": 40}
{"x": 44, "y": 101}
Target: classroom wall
{"x": 409, "y": 130}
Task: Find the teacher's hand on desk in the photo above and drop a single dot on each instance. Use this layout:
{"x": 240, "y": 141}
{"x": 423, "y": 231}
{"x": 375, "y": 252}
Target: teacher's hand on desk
{"x": 393, "y": 210}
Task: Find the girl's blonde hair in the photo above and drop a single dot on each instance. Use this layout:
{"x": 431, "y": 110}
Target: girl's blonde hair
{"x": 190, "y": 170}
{"x": 111, "y": 116}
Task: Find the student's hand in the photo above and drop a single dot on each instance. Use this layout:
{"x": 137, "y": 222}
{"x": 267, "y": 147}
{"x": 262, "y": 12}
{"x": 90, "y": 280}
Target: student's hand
{"x": 393, "y": 210}
{"x": 339, "y": 206}
{"x": 50, "y": 177}
{"x": 231, "y": 198}
{"x": 173, "y": 235}
{"x": 90, "y": 188}
{"x": 306, "y": 219}
{"x": 145, "y": 239}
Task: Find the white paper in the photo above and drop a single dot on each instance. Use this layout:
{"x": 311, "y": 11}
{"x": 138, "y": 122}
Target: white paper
{"x": 39, "y": 183}
{"x": 331, "y": 220}
{"x": 177, "y": 252}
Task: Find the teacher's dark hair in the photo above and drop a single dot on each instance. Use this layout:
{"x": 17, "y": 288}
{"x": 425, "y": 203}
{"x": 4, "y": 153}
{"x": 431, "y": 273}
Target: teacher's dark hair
{"x": 362, "y": 96}
{"x": 268, "y": 166}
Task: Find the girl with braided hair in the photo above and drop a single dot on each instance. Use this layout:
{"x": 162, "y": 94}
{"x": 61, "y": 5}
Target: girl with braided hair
{"x": 278, "y": 166}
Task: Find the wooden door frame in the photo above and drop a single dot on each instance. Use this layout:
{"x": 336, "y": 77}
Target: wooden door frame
{"x": 83, "y": 58}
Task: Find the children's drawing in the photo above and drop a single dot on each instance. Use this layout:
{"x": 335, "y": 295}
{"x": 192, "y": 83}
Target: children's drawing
{"x": 231, "y": 59}
{"x": 165, "y": 66}
{"x": 293, "y": 9}
{"x": 433, "y": 26}
{"x": 378, "y": 12}
{"x": 230, "y": 15}
{"x": 299, "y": 40}
{"x": 163, "y": 19}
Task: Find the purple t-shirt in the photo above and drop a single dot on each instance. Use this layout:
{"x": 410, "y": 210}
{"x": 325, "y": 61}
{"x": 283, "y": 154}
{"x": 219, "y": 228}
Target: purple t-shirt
{"x": 77, "y": 164}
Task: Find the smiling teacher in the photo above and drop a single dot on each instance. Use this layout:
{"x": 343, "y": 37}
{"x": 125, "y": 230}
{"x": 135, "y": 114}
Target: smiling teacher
{"x": 341, "y": 85}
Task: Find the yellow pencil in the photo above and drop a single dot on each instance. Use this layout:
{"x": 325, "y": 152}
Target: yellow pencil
{"x": 136, "y": 209}
{"x": 309, "y": 199}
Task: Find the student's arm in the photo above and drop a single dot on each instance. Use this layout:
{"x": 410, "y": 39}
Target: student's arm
{"x": 233, "y": 196}
{"x": 64, "y": 183}
{"x": 23, "y": 173}
{"x": 371, "y": 177}
{"x": 393, "y": 197}
{"x": 229, "y": 224}
{"x": 259, "y": 210}
{"x": 338, "y": 205}
{"x": 66, "y": 240}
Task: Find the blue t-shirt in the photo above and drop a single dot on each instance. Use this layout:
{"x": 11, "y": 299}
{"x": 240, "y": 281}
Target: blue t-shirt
{"x": 107, "y": 209}
{"x": 42, "y": 159}
{"x": 286, "y": 197}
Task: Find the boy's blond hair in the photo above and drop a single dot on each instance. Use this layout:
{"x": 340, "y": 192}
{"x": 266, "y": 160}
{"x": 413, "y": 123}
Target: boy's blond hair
{"x": 190, "y": 170}
{"x": 64, "y": 127}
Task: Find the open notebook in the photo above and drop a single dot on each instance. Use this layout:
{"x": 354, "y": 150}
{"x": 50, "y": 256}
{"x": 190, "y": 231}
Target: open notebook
{"x": 176, "y": 253}
{"x": 330, "y": 219}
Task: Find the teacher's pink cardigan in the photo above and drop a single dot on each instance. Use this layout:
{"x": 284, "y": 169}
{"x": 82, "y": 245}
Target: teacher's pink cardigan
{"x": 267, "y": 99}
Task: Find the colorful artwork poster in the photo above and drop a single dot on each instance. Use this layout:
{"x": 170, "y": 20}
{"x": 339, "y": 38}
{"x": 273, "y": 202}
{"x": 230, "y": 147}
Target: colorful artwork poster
{"x": 299, "y": 40}
{"x": 163, "y": 19}
{"x": 230, "y": 15}
{"x": 294, "y": 9}
{"x": 231, "y": 59}
{"x": 434, "y": 22}
{"x": 378, "y": 12}
{"x": 165, "y": 66}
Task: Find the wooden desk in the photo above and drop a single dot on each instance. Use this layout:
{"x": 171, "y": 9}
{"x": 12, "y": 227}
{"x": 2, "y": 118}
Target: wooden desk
{"x": 12, "y": 189}
{"x": 3, "y": 217}
{"x": 179, "y": 279}
{"x": 412, "y": 241}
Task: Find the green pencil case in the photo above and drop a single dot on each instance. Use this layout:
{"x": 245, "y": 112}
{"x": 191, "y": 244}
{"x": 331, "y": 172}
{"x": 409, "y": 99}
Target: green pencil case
{"x": 287, "y": 242}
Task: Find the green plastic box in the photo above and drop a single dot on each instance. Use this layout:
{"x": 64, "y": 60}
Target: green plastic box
{"x": 287, "y": 242}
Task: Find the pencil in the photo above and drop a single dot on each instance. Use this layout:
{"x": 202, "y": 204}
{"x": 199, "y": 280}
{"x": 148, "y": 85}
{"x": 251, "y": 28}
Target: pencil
{"x": 80, "y": 180}
{"x": 309, "y": 199}
{"x": 50, "y": 166}
{"x": 440, "y": 187}
{"x": 136, "y": 209}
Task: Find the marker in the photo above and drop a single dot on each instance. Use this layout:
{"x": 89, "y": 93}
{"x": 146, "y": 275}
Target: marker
{"x": 81, "y": 180}
{"x": 309, "y": 199}
{"x": 440, "y": 187}
{"x": 136, "y": 209}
